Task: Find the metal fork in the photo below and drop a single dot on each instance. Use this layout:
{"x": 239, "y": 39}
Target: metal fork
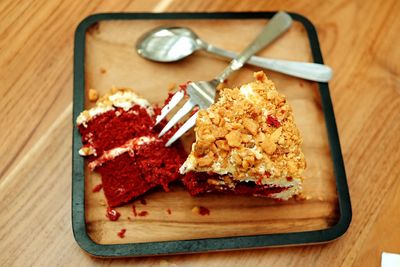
{"x": 202, "y": 93}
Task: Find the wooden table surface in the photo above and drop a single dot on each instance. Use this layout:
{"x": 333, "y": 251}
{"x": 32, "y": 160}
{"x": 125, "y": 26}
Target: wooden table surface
{"x": 359, "y": 39}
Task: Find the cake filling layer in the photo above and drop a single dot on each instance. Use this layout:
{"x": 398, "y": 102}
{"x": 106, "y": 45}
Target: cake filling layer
{"x": 206, "y": 183}
{"x": 130, "y": 147}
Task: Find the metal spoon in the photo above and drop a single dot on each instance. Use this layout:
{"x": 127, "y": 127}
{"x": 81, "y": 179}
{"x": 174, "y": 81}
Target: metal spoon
{"x": 169, "y": 44}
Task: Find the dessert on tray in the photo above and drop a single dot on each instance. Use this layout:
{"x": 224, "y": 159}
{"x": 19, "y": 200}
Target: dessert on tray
{"x": 120, "y": 142}
{"x": 246, "y": 143}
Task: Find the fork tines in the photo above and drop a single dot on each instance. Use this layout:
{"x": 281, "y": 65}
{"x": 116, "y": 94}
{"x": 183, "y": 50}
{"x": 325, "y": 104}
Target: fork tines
{"x": 175, "y": 99}
{"x": 186, "y": 108}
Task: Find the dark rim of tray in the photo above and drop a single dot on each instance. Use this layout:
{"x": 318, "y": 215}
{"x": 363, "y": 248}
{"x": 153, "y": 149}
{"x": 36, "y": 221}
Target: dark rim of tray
{"x": 207, "y": 244}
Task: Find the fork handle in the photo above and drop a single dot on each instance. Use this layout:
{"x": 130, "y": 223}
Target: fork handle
{"x": 279, "y": 23}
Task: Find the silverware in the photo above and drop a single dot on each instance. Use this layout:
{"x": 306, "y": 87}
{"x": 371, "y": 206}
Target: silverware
{"x": 169, "y": 44}
{"x": 202, "y": 93}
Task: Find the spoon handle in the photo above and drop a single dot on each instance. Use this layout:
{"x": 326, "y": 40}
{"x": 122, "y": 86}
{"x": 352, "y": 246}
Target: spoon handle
{"x": 279, "y": 24}
{"x": 309, "y": 71}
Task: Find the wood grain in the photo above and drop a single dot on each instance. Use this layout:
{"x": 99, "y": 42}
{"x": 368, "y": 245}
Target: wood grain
{"x": 359, "y": 39}
{"x": 112, "y": 61}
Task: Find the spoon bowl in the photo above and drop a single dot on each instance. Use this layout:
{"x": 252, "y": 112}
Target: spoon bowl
{"x": 167, "y": 44}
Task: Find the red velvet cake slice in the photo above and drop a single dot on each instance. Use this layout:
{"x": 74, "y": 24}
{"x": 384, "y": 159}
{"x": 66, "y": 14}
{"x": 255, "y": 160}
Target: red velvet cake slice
{"x": 246, "y": 143}
{"x": 121, "y": 144}
{"x": 117, "y": 117}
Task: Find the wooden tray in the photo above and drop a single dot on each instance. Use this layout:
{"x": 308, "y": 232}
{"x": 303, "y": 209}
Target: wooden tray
{"x": 105, "y": 57}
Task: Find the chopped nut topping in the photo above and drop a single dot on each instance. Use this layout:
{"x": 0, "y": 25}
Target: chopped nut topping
{"x": 214, "y": 148}
{"x": 276, "y": 134}
{"x": 219, "y": 132}
{"x": 233, "y": 138}
{"x": 93, "y": 95}
{"x": 268, "y": 146}
{"x": 246, "y": 138}
{"x": 212, "y": 181}
{"x": 209, "y": 138}
{"x": 248, "y": 132}
{"x": 207, "y": 160}
{"x": 237, "y": 159}
{"x": 260, "y": 76}
{"x": 202, "y": 148}
{"x": 250, "y": 125}
{"x": 222, "y": 144}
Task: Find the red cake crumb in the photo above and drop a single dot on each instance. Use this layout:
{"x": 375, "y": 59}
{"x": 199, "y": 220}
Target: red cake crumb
{"x": 170, "y": 95}
{"x": 201, "y": 210}
{"x": 143, "y": 201}
{"x": 121, "y": 233}
{"x": 195, "y": 109}
{"x": 183, "y": 86}
{"x": 143, "y": 213}
{"x": 204, "y": 211}
{"x": 97, "y": 188}
{"x": 169, "y": 211}
{"x": 112, "y": 214}
{"x": 134, "y": 210}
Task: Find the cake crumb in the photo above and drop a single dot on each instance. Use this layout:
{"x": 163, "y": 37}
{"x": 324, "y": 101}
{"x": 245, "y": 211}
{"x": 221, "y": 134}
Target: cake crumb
{"x": 121, "y": 233}
{"x": 195, "y": 109}
{"x": 143, "y": 213}
{"x": 112, "y": 214}
{"x": 183, "y": 86}
{"x": 222, "y": 85}
{"x": 195, "y": 209}
{"x": 260, "y": 76}
{"x": 201, "y": 210}
{"x": 143, "y": 201}
{"x": 97, "y": 188}
{"x": 93, "y": 95}
{"x": 134, "y": 210}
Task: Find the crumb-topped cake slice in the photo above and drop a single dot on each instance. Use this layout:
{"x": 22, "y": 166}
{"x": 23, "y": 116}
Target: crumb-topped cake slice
{"x": 246, "y": 143}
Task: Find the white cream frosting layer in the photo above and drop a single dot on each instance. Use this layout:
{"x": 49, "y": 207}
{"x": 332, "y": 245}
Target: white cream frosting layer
{"x": 124, "y": 99}
{"x": 128, "y": 147}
